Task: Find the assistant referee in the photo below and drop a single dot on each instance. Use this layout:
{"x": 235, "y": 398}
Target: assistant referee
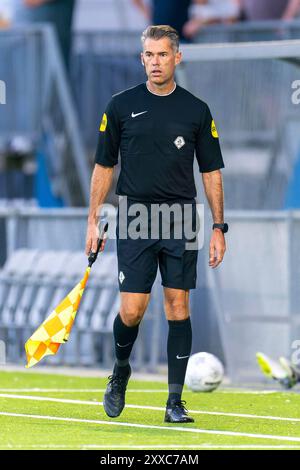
{"x": 158, "y": 127}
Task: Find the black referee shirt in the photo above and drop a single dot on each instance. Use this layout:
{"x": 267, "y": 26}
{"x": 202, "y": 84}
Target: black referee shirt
{"x": 158, "y": 137}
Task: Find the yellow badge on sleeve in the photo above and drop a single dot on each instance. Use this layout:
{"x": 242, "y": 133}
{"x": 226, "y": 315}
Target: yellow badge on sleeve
{"x": 103, "y": 123}
{"x": 214, "y": 131}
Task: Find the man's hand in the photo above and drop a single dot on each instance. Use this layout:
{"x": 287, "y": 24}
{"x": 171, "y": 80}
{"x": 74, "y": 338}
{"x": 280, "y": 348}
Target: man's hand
{"x": 217, "y": 248}
{"x": 92, "y": 237}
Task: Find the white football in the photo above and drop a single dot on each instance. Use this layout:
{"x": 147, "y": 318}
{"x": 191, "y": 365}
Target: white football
{"x": 204, "y": 372}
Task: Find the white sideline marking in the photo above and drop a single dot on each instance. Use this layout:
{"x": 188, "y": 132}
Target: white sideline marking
{"x": 167, "y": 446}
{"x": 133, "y": 390}
{"x": 144, "y": 407}
{"x": 79, "y": 390}
{"x": 251, "y": 392}
{"x": 161, "y": 428}
{"x": 196, "y": 446}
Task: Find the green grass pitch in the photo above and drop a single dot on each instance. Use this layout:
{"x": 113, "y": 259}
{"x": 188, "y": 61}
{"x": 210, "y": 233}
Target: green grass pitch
{"x": 41, "y": 411}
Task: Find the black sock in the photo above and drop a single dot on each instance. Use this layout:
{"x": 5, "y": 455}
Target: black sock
{"x": 179, "y": 349}
{"x": 125, "y": 337}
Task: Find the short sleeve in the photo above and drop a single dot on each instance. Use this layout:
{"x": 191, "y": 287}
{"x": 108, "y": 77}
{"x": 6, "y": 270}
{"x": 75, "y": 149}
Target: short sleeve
{"x": 109, "y": 137}
{"x": 208, "y": 151}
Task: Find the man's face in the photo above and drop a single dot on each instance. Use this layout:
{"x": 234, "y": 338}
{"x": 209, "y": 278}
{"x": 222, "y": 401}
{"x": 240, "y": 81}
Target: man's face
{"x": 160, "y": 60}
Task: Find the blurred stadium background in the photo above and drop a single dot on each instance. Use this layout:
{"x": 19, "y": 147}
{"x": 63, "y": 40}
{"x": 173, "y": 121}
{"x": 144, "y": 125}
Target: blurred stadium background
{"x": 48, "y": 133}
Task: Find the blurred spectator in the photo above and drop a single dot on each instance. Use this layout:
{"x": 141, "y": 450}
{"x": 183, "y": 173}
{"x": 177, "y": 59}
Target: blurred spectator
{"x": 4, "y": 21}
{"x": 57, "y": 12}
{"x": 171, "y": 12}
{"x": 205, "y": 12}
{"x": 6, "y": 12}
{"x": 292, "y": 10}
{"x": 254, "y": 10}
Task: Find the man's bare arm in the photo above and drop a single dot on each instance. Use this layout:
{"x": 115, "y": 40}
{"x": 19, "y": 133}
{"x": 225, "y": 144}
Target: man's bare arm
{"x": 101, "y": 182}
{"x": 36, "y": 3}
{"x": 143, "y": 7}
{"x": 213, "y": 186}
{"x": 292, "y": 10}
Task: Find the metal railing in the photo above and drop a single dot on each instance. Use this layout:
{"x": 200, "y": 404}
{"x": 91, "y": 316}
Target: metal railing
{"x": 246, "y": 31}
{"x": 107, "y": 62}
{"x": 255, "y": 293}
{"x": 248, "y": 87}
{"x": 249, "y": 304}
{"x": 44, "y": 260}
{"x": 40, "y": 107}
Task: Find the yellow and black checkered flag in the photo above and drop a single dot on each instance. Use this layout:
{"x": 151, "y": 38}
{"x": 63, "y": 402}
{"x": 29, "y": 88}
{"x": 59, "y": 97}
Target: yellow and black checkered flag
{"x": 55, "y": 330}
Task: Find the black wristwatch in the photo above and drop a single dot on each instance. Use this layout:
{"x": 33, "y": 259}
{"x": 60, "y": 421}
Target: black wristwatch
{"x": 223, "y": 227}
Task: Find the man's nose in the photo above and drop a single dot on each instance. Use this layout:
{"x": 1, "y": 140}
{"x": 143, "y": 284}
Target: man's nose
{"x": 155, "y": 60}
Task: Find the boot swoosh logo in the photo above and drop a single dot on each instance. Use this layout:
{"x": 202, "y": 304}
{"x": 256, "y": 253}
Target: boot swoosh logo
{"x": 133, "y": 115}
{"x": 123, "y": 345}
{"x": 181, "y": 357}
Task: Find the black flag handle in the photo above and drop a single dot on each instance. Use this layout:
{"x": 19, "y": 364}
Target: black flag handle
{"x": 93, "y": 256}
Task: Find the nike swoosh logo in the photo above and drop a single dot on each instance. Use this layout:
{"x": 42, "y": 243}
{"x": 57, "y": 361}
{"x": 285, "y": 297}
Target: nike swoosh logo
{"x": 181, "y": 357}
{"x": 123, "y": 346}
{"x": 138, "y": 114}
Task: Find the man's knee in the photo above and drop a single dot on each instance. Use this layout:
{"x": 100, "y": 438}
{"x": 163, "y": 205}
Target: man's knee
{"x": 176, "y": 308}
{"x": 133, "y": 308}
{"x": 131, "y": 317}
{"x": 177, "y": 312}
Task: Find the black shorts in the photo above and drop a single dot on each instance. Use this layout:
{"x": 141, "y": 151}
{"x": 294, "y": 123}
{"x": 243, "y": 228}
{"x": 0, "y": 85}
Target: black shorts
{"x": 139, "y": 258}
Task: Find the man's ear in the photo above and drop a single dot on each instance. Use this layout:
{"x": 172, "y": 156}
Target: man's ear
{"x": 142, "y": 60}
{"x": 178, "y": 58}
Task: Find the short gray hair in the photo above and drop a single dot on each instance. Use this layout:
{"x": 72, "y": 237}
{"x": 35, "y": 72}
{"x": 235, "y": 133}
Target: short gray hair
{"x": 162, "y": 31}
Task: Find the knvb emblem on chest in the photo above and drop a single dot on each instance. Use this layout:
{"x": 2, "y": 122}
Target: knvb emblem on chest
{"x": 179, "y": 142}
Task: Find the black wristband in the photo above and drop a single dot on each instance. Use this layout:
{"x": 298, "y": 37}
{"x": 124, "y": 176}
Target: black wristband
{"x": 223, "y": 227}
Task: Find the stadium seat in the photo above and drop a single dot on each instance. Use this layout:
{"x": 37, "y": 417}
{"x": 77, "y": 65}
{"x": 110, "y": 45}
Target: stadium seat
{"x": 33, "y": 283}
